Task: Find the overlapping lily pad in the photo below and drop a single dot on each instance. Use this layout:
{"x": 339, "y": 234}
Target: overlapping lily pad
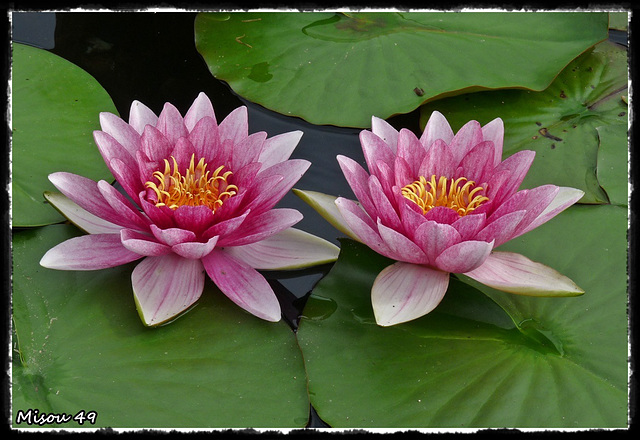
{"x": 55, "y": 107}
{"x": 80, "y": 346}
{"x": 480, "y": 361}
{"x": 341, "y": 68}
{"x": 563, "y": 123}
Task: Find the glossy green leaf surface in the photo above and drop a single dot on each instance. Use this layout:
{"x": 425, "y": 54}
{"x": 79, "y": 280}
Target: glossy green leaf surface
{"x": 80, "y": 345}
{"x": 563, "y": 124}
{"x": 479, "y": 359}
{"x": 55, "y": 109}
{"x": 342, "y": 68}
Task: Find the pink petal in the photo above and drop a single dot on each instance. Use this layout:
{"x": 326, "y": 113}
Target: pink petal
{"x": 194, "y": 218}
{"x": 516, "y": 273}
{"x": 204, "y": 138}
{"x": 375, "y": 149}
{"x": 465, "y": 139}
{"x": 85, "y": 193}
{"x": 248, "y": 150}
{"x": 171, "y": 124}
{"x": 478, "y": 163}
{"x": 161, "y": 216}
{"x": 437, "y": 128}
{"x": 469, "y": 225}
{"x": 433, "y": 238}
{"x": 410, "y": 215}
{"x": 494, "y": 132}
{"x": 261, "y": 226}
{"x": 437, "y": 161}
{"x": 533, "y": 201}
{"x": 386, "y": 176}
{"x": 200, "y": 108}
{"x": 402, "y": 248}
{"x": 266, "y": 196}
{"x": 244, "y": 177}
{"x": 235, "y": 127}
{"x": 110, "y": 148}
{"x": 121, "y": 132}
{"x": 172, "y": 236}
{"x": 129, "y": 215}
{"x": 288, "y": 249}
{"x": 166, "y": 286}
{"x": 362, "y": 226}
{"x": 563, "y": 199}
{"x": 403, "y": 172}
{"x": 155, "y": 145}
{"x": 243, "y": 285}
{"x": 81, "y": 217}
{"x": 464, "y": 256}
{"x": 127, "y": 176}
{"x": 146, "y": 168}
{"x": 278, "y": 148}
{"x": 88, "y": 252}
{"x": 501, "y": 230}
{"x": 385, "y": 131}
{"x": 194, "y": 250}
{"x": 226, "y": 227}
{"x": 183, "y": 151}
{"x": 412, "y": 151}
{"x": 383, "y": 206}
{"x": 358, "y": 180}
{"x": 140, "y": 116}
{"x": 403, "y": 292}
{"x": 326, "y": 206}
{"x": 516, "y": 166}
{"x": 442, "y": 214}
{"x": 142, "y": 244}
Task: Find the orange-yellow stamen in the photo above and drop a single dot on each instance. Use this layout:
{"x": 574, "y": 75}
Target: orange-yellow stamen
{"x": 453, "y": 193}
{"x": 196, "y": 188}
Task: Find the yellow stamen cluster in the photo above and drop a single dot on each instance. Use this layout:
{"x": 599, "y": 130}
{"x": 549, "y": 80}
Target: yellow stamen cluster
{"x": 196, "y": 188}
{"x": 460, "y": 194}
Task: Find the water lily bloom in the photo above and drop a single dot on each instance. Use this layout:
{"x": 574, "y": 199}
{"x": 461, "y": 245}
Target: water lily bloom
{"x": 198, "y": 197}
{"x": 440, "y": 204}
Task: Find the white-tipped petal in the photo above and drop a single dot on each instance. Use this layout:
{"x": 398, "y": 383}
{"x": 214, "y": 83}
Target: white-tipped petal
{"x": 88, "y": 252}
{"x": 385, "y": 131}
{"x": 289, "y": 249}
{"x": 325, "y": 205}
{"x": 80, "y": 217}
{"x": 243, "y": 285}
{"x": 166, "y": 286}
{"x": 404, "y": 291}
{"x": 515, "y": 273}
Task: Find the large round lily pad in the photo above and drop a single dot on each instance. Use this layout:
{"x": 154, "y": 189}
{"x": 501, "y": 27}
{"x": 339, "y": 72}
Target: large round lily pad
{"x": 55, "y": 107}
{"x": 479, "y": 360}
{"x": 342, "y": 68}
{"x": 80, "y": 346}
{"x": 566, "y": 124}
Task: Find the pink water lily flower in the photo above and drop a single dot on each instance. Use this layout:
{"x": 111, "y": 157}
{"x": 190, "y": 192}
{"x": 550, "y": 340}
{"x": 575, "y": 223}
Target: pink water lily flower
{"x": 440, "y": 204}
{"x": 200, "y": 197}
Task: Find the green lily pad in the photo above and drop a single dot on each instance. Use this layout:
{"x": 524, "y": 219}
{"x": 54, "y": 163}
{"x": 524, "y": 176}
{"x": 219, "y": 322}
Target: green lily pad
{"x": 82, "y": 347}
{"x": 613, "y": 163}
{"x": 619, "y": 20}
{"x": 342, "y": 68}
{"x": 560, "y": 123}
{"x": 55, "y": 108}
{"x": 494, "y": 360}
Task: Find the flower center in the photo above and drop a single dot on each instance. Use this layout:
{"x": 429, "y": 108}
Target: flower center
{"x": 197, "y": 187}
{"x": 460, "y": 194}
